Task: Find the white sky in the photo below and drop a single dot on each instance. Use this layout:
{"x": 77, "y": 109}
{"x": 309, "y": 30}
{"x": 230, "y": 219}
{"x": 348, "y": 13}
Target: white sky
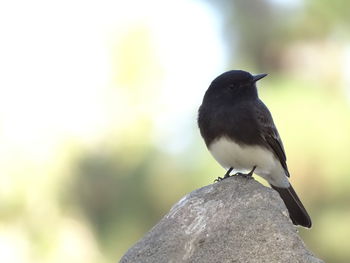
{"x": 56, "y": 73}
{"x": 56, "y": 66}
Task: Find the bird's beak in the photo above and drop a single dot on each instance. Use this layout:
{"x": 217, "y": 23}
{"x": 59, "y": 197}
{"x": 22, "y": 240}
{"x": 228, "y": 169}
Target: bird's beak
{"x": 259, "y": 76}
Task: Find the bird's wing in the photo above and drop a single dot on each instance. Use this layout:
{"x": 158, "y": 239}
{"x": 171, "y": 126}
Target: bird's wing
{"x": 270, "y": 134}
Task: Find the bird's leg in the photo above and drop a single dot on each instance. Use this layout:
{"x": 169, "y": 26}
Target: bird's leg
{"x": 248, "y": 174}
{"x": 252, "y": 171}
{"x": 227, "y": 174}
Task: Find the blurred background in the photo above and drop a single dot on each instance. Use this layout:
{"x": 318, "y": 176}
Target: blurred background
{"x": 98, "y": 105}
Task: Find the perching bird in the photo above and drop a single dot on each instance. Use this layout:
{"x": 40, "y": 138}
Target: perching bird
{"x": 239, "y": 132}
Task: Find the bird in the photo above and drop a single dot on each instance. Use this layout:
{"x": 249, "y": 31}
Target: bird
{"x": 240, "y": 134}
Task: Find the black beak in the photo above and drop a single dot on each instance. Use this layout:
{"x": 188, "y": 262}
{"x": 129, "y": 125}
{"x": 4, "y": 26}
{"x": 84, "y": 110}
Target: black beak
{"x": 259, "y": 76}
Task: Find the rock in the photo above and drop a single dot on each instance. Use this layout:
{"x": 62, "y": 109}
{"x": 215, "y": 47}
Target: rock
{"x": 235, "y": 220}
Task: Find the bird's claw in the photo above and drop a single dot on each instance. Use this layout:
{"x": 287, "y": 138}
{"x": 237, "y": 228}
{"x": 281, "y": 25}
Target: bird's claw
{"x": 218, "y": 179}
{"x": 227, "y": 175}
{"x": 248, "y": 175}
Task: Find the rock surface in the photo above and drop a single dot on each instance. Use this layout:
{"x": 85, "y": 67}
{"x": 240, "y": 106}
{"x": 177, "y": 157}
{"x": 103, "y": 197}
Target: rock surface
{"x": 235, "y": 220}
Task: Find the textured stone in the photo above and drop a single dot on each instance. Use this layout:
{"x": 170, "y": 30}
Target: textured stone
{"x": 235, "y": 220}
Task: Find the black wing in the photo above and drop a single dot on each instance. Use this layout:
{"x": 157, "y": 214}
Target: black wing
{"x": 270, "y": 134}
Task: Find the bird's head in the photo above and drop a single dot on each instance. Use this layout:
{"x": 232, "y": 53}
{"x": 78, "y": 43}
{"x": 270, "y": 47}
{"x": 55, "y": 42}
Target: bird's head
{"x": 234, "y": 84}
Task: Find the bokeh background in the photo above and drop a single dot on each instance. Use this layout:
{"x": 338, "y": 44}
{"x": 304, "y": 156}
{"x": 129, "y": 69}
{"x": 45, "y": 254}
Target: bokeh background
{"x": 98, "y": 105}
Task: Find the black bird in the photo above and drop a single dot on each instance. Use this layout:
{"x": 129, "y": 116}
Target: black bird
{"x": 239, "y": 132}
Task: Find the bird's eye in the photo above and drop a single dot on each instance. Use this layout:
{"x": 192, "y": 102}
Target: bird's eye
{"x": 231, "y": 86}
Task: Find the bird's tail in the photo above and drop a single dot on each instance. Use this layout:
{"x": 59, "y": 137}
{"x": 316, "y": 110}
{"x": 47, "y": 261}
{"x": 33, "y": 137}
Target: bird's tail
{"x": 297, "y": 211}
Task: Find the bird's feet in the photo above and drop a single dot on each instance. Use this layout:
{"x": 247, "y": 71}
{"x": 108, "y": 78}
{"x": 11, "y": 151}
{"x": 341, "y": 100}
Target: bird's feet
{"x": 227, "y": 175}
{"x": 248, "y": 175}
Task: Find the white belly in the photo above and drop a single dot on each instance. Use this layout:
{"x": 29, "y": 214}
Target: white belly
{"x": 243, "y": 158}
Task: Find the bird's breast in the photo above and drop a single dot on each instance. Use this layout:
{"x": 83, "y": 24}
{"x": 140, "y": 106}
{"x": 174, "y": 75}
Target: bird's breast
{"x": 234, "y": 121}
{"x": 242, "y": 157}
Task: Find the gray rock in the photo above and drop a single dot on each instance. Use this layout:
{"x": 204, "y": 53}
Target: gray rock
{"x": 235, "y": 220}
